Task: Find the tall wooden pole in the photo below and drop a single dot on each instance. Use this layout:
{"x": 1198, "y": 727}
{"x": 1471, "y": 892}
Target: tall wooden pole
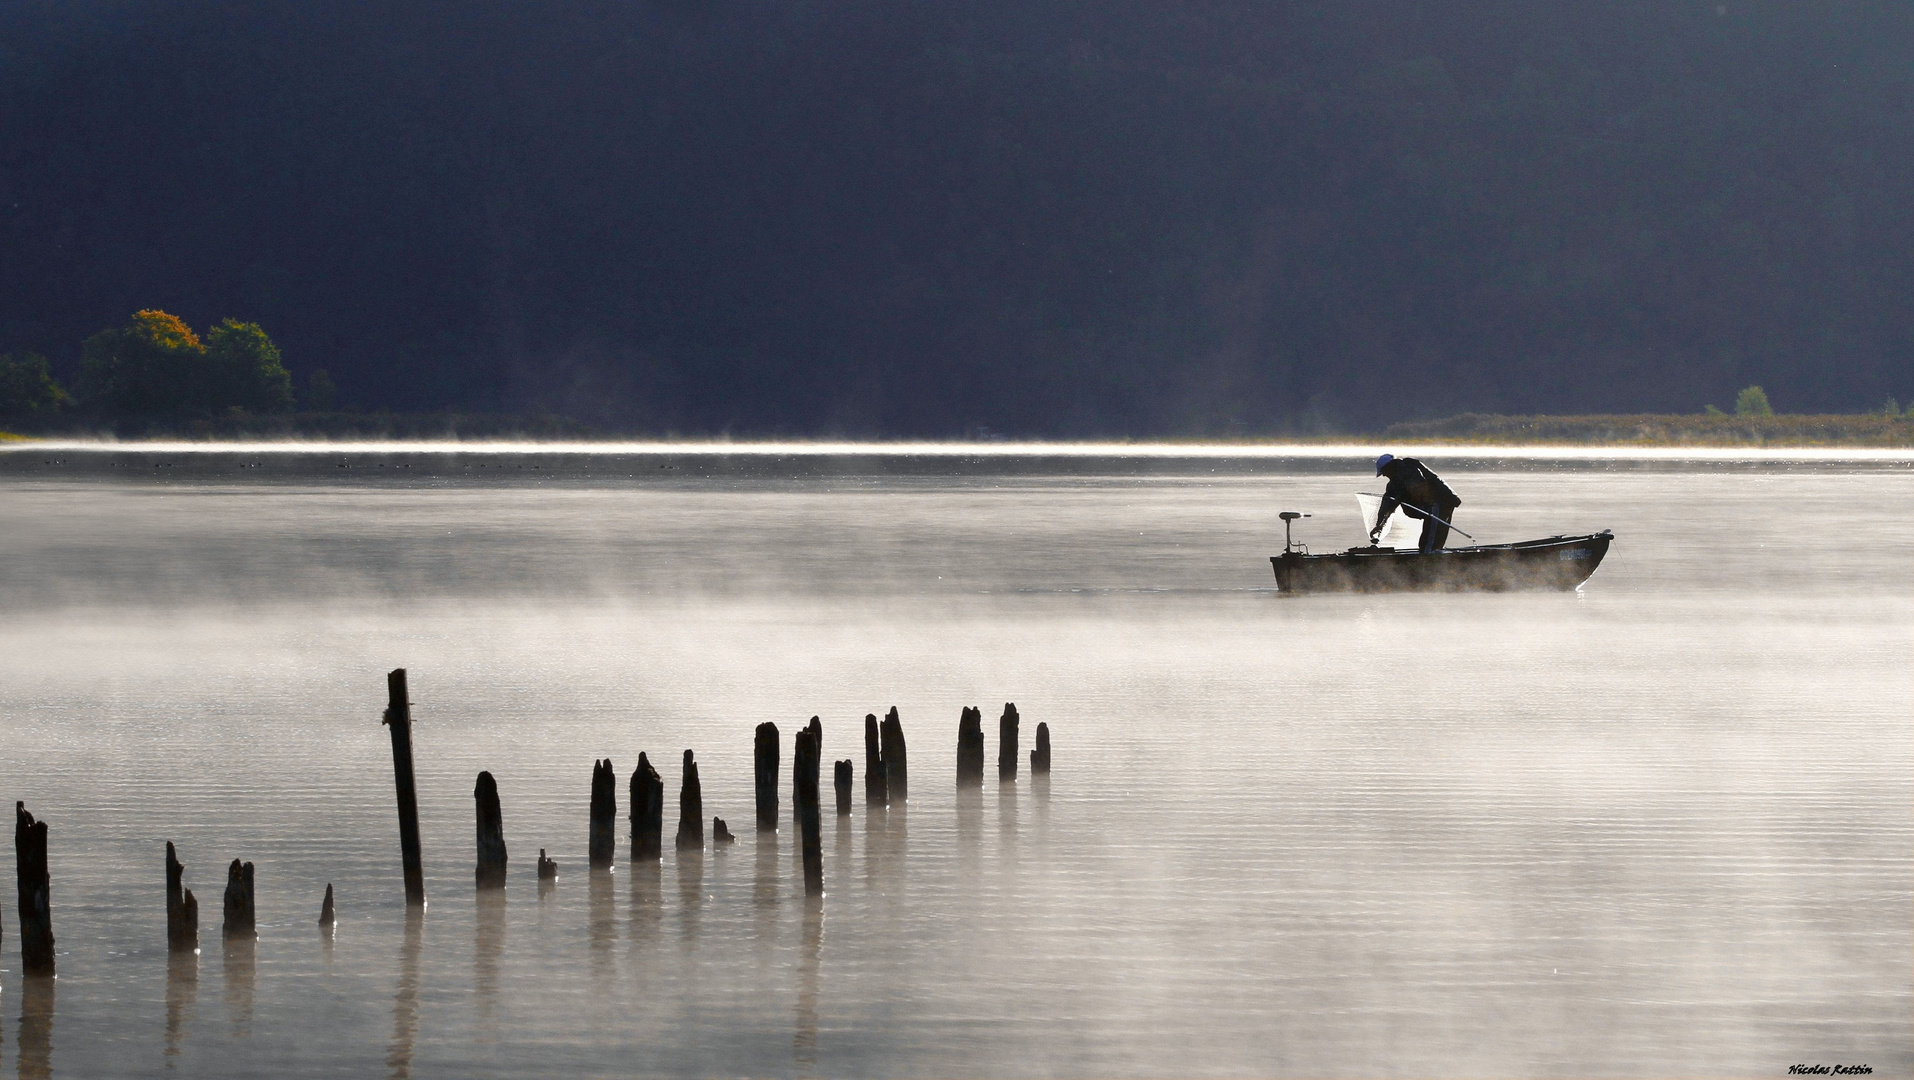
{"x": 806, "y": 756}
{"x": 398, "y": 717}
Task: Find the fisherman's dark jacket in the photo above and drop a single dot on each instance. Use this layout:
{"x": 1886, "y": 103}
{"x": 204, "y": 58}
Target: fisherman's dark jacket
{"x": 1414, "y": 487}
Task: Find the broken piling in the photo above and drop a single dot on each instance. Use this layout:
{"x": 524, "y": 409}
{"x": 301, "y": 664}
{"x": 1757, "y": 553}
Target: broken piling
{"x": 764, "y": 757}
{"x": 604, "y": 813}
{"x": 970, "y": 747}
{"x": 647, "y": 811}
{"x": 491, "y": 834}
{"x": 690, "y": 809}
{"x": 182, "y": 910}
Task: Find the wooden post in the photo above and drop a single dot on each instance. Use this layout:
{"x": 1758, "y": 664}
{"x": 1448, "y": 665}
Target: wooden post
{"x": 721, "y": 833}
{"x": 765, "y": 762}
{"x": 1007, "y": 745}
{"x": 604, "y": 813}
{"x": 547, "y": 869}
{"x": 875, "y": 790}
{"x": 816, "y": 730}
{"x": 182, "y": 911}
{"x": 491, "y": 834}
{"x": 239, "y": 901}
{"x": 690, "y": 809}
{"x": 896, "y": 773}
{"x": 841, "y": 781}
{"x": 970, "y": 747}
{"x": 647, "y": 811}
{"x": 398, "y": 717}
{"x": 326, "y": 918}
{"x": 35, "y": 884}
{"x": 807, "y": 764}
{"x": 1040, "y": 757}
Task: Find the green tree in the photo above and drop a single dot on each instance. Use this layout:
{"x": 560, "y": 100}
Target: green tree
{"x": 153, "y": 366}
{"x": 1752, "y": 401}
{"x": 243, "y": 368}
{"x": 27, "y": 388}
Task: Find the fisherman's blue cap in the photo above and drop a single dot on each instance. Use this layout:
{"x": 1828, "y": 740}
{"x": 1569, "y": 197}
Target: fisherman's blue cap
{"x": 1383, "y": 462}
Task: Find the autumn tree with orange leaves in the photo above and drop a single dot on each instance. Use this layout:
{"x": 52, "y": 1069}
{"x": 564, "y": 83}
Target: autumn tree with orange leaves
{"x": 155, "y": 367}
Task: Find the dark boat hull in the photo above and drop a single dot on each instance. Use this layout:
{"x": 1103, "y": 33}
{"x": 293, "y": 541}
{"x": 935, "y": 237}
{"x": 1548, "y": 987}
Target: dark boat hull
{"x": 1558, "y": 563}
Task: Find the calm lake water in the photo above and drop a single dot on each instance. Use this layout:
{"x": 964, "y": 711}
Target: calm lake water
{"x": 1664, "y": 827}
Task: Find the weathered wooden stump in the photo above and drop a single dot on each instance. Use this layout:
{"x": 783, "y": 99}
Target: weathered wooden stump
{"x": 970, "y": 747}
{"x": 896, "y": 771}
{"x": 326, "y": 916}
{"x": 815, "y": 728}
{"x": 239, "y": 901}
{"x": 875, "y": 790}
{"x": 491, "y": 834}
{"x": 690, "y": 809}
{"x": 841, "y": 782}
{"x": 1007, "y": 745}
{"x": 806, "y": 761}
{"x": 547, "y": 869}
{"x": 398, "y": 717}
{"x": 35, "y": 892}
{"x": 720, "y": 834}
{"x": 647, "y": 812}
{"x": 604, "y": 813}
{"x": 182, "y": 910}
{"x": 764, "y": 757}
{"x": 1040, "y": 757}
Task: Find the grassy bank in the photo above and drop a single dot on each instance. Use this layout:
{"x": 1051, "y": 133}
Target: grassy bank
{"x": 1655, "y": 429}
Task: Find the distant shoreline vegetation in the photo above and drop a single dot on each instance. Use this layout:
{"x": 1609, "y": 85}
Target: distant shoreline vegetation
{"x": 154, "y": 378}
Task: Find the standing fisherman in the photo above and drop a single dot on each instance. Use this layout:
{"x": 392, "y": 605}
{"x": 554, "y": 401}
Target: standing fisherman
{"x": 1421, "y": 494}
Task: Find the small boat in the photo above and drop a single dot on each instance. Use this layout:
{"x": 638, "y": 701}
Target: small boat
{"x": 1558, "y": 563}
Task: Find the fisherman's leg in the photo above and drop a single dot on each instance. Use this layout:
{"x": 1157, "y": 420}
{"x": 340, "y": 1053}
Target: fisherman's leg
{"x": 1433, "y": 533}
{"x": 1440, "y": 530}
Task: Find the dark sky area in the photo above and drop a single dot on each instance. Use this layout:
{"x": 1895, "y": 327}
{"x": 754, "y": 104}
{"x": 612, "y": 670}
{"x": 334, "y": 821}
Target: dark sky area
{"x": 912, "y": 217}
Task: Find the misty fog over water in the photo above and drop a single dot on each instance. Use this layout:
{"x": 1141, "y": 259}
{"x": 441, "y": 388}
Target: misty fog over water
{"x": 1661, "y": 827}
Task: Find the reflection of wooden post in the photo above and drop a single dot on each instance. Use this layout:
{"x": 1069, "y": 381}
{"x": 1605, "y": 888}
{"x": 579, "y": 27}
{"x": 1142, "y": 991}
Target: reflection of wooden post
{"x": 239, "y": 901}
{"x": 764, "y": 757}
{"x": 1040, "y": 757}
{"x": 841, "y": 782}
{"x": 491, "y": 834}
{"x": 1007, "y": 745}
{"x": 182, "y": 911}
{"x": 604, "y": 813}
{"x": 896, "y": 772}
{"x": 35, "y": 887}
{"x": 807, "y": 764}
{"x": 398, "y": 717}
{"x": 875, "y": 790}
{"x": 647, "y": 811}
{"x": 690, "y": 809}
{"x": 970, "y": 747}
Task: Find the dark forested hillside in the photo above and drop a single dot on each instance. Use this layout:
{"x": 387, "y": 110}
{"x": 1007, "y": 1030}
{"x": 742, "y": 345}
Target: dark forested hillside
{"x": 912, "y": 217}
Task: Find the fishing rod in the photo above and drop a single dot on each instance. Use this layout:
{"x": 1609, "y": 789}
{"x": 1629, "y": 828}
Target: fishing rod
{"x": 1433, "y": 518}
